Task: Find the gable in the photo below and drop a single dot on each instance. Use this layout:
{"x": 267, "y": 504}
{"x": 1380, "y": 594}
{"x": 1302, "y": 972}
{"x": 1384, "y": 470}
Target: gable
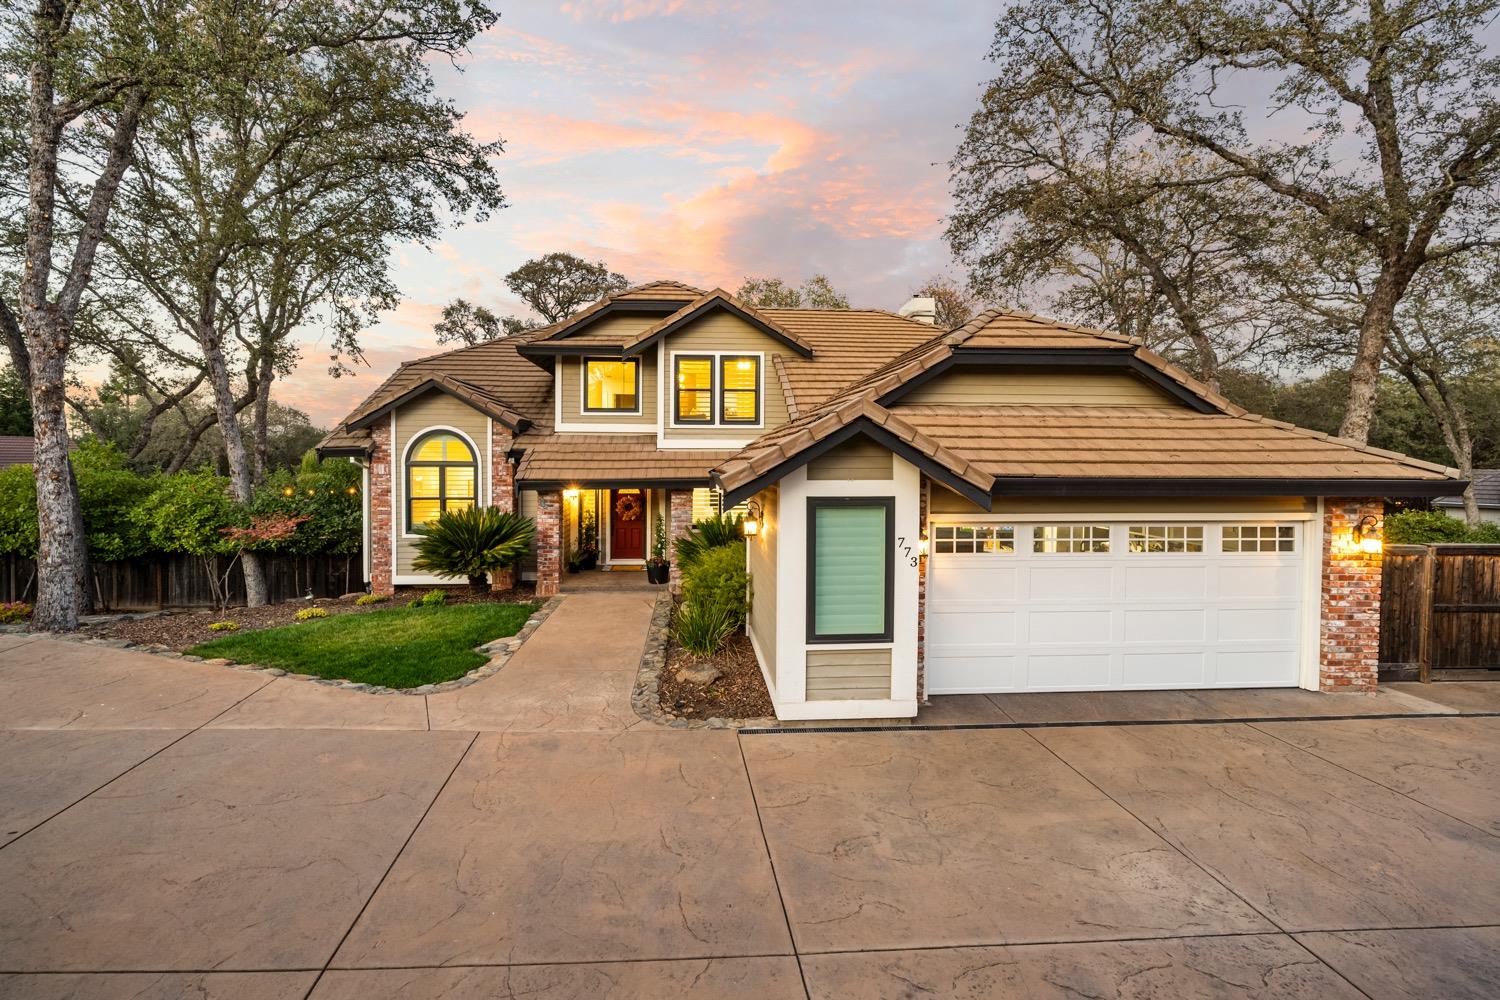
{"x": 722, "y": 331}
{"x": 981, "y": 385}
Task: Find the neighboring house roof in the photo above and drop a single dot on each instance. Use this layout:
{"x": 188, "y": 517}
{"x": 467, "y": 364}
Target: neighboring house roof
{"x": 1486, "y": 491}
{"x": 16, "y": 450}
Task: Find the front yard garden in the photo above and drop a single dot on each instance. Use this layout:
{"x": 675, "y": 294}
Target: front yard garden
{"x": 399, "y": 647}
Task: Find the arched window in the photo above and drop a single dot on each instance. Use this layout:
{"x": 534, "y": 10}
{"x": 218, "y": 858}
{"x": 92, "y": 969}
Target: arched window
{"x": 441, "y": 474}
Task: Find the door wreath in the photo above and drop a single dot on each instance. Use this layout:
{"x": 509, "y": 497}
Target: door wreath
{"x": 628, "y": 506}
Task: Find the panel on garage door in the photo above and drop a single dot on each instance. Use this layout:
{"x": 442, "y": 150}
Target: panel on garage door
{"x": 1114, "y": 604}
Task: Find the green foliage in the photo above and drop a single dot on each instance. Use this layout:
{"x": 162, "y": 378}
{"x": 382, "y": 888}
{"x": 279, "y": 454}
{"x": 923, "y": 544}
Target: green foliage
{"x": 188, "y": 513}
{"x": 816, "y": 292}
{"x": 558, "y": 284}
{"x": 659, "y": 541}
{"x": 473, "y": 543}
{"x": 719, "y": 580}
{"x": 725, "y": 529}
{"x": 1423, "y": 527}
{"x": 109, "y": 493}
{"x": 434, "y": 598}
{"x": 702, "y": 628}
{"x": 392, "y": 647}
{"x": 368, "y": 599}
{"x": 327, "y": 493}
{"x": 15, "y": 404}
{"x": 308, "y": 614}
{"x": 18, "y": 524}
{"x": 224, "y": 627}
{"x": 14, "y": 611}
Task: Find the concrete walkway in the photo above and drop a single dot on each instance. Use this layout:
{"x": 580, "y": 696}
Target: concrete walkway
{"x": 173, "y": 829}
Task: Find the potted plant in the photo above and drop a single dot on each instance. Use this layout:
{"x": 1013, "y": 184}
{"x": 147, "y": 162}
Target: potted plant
{"x": 573, "y": 563}
{"x": 588, "y": 542}
{"x": 658, "y": 570}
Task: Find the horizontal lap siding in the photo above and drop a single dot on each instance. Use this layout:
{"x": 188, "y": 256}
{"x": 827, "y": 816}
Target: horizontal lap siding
{"x": 1042, "y": 387}
{"x": 848, "y": 674}
{"x": 761, "y": 557}
{"x": 414, "y": 419}
{"x": 722, "y": 333}
{"x": 857, "y": 458}
{"x": 571, "y": 375}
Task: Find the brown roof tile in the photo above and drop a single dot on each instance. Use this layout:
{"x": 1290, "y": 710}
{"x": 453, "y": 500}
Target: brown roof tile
{"x": 611, "y": 458}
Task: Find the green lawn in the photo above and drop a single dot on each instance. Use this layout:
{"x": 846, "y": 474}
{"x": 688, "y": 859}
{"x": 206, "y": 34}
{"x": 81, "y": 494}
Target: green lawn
{"x": 397, "y": 647}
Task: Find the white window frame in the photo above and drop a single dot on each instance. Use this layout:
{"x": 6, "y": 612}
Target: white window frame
{"x": 1260, "y": 538}
{"x": 716, "y": 394}
{"x": 1166, "y": 539}
{"x": 994, "y": 528}
{"x": 1078, "y": 533}
{"x": 481, "y": 471}
{"x": 583, "y": 387}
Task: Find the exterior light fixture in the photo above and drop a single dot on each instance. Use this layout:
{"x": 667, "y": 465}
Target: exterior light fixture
{"x": 922, "y": 544}
{"x": 1366, "y": 536}
{"x": 571, "y": 494}
{"x": 751, "y": 523}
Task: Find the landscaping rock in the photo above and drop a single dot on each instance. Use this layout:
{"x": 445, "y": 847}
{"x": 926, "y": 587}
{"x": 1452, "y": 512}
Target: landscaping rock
{"x": 703, "y": 675}
{"x": 276, "y": 672}
{"x": 220, "y": 661}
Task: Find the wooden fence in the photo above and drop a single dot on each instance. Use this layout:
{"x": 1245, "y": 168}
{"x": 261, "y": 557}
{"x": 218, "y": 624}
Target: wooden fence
{"x": 183, "y": 581}
{"x": 1440, "y": 612}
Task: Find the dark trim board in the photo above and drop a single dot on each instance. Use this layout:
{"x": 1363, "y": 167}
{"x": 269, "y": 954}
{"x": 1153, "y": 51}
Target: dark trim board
{"x": 342, "y": 451}
{"x": 583, "y": 385}
{"x": 1143, "y": 487}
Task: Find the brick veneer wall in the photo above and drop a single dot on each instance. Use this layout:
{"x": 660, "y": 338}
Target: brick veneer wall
{"x": 679, "y": 523}
{"x": 502, "y": 490}
{"x": 548, "y": 542}
{"x": 1349, "y": 628}
{"x": 380, "y": 509}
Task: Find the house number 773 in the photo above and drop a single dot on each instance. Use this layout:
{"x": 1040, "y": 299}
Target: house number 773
{"x": 905, "y": 549}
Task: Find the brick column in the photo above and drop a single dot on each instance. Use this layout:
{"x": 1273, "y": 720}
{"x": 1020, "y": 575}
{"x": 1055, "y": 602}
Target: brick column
{"x": 679, "y": 523}
{"x": 922, "y": 593}
{"x": 548, "y": 542}
{"x": 381, "y": 466}
{"x": 1349, "y": 627}
{"x": 502, "y": 490}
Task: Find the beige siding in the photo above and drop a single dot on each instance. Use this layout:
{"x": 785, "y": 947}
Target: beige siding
{"x": 528, "y": 509}
{"x": 848, "y": 674}
{"x": 945, "y": 501}
{"x": 1041, "y": 386}
{"x": 435, "y": 409}
{"x": 761, "y": 559}
{"x": 570, "y": 377}
{"x": 857, "y": 458}
{"x": 720, "y": 332}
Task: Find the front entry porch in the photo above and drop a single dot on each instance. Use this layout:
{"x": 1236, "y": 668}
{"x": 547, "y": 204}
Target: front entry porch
{"x": 608, "y": 580}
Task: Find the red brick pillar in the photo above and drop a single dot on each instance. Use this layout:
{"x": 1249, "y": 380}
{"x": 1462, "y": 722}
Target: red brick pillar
{"x": 1349, "y": 632}
{"x": 502, "y": 490}
{"x": 922, "y": 593}
{"x": 548, "y": 542}
{"x": 679, "y": 523}
{"x": 381, "y": 470}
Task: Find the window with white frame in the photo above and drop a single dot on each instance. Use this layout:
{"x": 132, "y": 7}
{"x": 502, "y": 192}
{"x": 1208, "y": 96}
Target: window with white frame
{"x": 1259, "y": 538}
{"x": 963, "y": 539}
{"x": 1166, "y": 538}
{"x": 1053, "y": 538}
{"x": 721, "y": 389}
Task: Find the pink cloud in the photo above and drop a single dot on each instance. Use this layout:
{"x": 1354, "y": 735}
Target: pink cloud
{"x": 617, "y": 11}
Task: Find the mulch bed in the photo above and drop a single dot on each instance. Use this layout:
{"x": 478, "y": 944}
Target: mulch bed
{"x": 739, "y": 693}
{"x": 182, "y": 630}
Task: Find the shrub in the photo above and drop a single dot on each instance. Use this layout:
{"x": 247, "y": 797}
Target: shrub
{"x": 434, "y": 598}
{"x": 188, "y": 513}
{"x": 1421, "y": 527}
{"x": 14, "y": 611}
{"x": 308, "y": 614}
{"x": 713, "y": 533}
{"x": 719, "y": 580}
{"x": 702, "y": 628}
{"x": 224, "y": 627}
{"x": 326, "y": 493}
{"x": 473, "y": 543}
{"x": 368, "y": 599}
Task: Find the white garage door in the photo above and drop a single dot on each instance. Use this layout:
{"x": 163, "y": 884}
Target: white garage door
{"x": 1114, "y": 604}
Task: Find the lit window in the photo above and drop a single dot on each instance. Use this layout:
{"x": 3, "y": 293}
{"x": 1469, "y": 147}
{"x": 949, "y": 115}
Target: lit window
{"x": 441, "y": 475}
{"x": 849, "y": 557}
{"x": 1260, "y": 538}
{"x": 1166, "y": 538}
{"x": 739, "y": 380}
{"x": 1070, "y": 538}
{"x": 694, "y": 378}
{"x": 611, "y": 386}
{"x": 961, "y": 539}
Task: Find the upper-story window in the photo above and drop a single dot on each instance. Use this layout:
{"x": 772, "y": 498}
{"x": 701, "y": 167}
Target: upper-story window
{"x": 611, "y": 386}
{"x": 441, "y": 474}
{"x": 716, "y": 389}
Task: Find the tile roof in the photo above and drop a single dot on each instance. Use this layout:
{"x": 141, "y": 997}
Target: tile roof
{"x": 1486, "y": 491}
{"x": 705, "y": 301}
{"x": 847, "y": 345}
{"x": 611, "y": 458}
{"x": 16, "y": 450}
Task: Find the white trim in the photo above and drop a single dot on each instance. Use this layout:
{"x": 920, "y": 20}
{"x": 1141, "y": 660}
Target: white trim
{"x": 390, "y": 493}
{"x": 583, "y": 387}
{"x": 479, "y": 466}
{"x": 410, "y": 579}
{"x": 1152, "y": 517}
{"x": 559, "y": 367}
{"x": 835, "y": 708}
{"x": 760, "y": 657}
{"x": 716, "y": 394}
{"x": 486, "y": 490}
{"x": 1312, "y": 604}
{"x": 368, "y": 548}
{"x": 641, "y": 429}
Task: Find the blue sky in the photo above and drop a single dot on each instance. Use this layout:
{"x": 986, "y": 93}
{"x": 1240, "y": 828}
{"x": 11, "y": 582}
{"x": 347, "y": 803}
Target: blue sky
{"x": 703, "y": 141}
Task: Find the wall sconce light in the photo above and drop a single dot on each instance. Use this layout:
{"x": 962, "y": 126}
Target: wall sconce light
{"x": 1366, "y": 536}
{"x": 922, "y": 544}
{"x": 571, "y": 494}
{"x": 751, "y": 524}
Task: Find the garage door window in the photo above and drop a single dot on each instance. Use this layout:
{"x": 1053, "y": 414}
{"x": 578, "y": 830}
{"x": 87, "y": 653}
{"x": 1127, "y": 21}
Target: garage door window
{"x": 963, "y": 539}
{"x": 1070, "y": 538}
{"x": 1260, "y": 538}
{"x": 1166, "y": 538}
{"x": 849, "y": 546}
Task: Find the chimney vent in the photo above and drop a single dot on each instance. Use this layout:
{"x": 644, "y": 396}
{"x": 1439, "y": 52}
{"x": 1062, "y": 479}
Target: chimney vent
{"x": 922, "y": 308}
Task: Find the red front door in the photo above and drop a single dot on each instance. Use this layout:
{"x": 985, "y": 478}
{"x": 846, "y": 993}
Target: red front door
{"x": 627, "y": 524}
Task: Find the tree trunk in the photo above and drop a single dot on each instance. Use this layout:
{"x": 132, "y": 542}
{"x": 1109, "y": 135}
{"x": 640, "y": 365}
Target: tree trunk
{"x": 241, "y": 481}
{"x": 57, "y": 583}
{"x": 264, "y": 373}
{"x": 1374, "y": 331}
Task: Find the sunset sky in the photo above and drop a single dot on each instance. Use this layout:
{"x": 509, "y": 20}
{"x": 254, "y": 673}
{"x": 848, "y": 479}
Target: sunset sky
{"x": 703, "y": 141}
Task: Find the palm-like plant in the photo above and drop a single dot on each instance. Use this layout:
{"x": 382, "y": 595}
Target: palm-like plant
{"x": 473, "y": 542}
{"x": 723, "y": 529}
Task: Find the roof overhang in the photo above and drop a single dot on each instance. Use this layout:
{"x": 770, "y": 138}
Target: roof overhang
{"x": 341, "y": 451}
{"x": 881, "y": 436}
{"x": 585, "y": 483}
{"x": 504, "y": 415}
{"x": 1117, "y": 358}
{"x": 615, "y": 307}
{"x": 717, "y": 303}
{"x": 1085, "y": 486}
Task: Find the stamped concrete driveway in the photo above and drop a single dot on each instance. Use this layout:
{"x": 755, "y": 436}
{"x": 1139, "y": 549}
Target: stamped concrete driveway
{"x": 172, "y": 829}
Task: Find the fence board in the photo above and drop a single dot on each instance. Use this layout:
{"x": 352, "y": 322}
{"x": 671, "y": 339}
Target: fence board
{"x": 183, "y": 581}
{"x": 1440, "y": 608}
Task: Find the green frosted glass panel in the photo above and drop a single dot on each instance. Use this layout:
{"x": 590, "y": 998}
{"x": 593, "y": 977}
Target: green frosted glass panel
{"x": 850, "y": 564}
